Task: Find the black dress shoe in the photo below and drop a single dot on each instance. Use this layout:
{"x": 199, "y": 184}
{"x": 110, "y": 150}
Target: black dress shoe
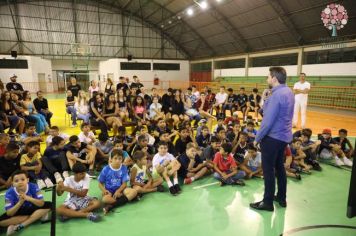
{"x": 281, "y": 203}
{"x": 177, "y": 188}
{"x": 261, "y": 206}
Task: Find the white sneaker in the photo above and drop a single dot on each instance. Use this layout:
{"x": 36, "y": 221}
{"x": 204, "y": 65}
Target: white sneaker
{"x": 10, "y": 230}
{"x": 45, "y": 217}
{"x": 41, "y": 184}
{"x": 347, "y": 161}
{"x": 72, "y": 126}
{"x": 58, "y": 177}
{"x": 65, "y": 174}
{"x": 48, "y": 183}
{"x": 338, "y": 162}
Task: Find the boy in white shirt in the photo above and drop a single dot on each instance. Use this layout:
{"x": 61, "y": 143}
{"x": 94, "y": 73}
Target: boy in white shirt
{"x": 220, "y": 99}
{"x": 86, "y": 136}
{"x": 53, "y": 132}
{"x": 253, "y": 162}
{"x": 165, "y": 165}
{"x": 301, "y": 90}
{"x": 77, "y": 204}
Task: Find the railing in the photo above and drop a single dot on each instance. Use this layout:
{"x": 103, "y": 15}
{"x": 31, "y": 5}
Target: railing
{"x": 321, "y": 96}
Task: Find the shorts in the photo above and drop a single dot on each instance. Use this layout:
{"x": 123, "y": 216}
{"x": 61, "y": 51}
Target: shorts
{"x": 78, "y": 203}
{"x": 252, "y": 168}
{"x": 26, "y": 211}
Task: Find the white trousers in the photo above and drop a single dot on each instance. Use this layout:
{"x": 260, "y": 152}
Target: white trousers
{"x": 300, "y": 104}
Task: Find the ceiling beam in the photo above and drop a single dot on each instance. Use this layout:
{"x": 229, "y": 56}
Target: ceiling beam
{"x": 277, "y": 7}
{"x": 16, "y": 22}
{"x": 234, "y": 32}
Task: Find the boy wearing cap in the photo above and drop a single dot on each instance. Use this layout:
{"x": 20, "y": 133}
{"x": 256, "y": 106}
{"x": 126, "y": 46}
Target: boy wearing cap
{"x": 203, "y": 139}
{"x": 234, "y": 119}
{"x": 15, "y": 87}
{"x": 329, "y": 149}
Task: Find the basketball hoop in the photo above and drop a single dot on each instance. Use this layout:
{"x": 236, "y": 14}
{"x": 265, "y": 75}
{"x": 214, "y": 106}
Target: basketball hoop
{"x": 80, "y": 49}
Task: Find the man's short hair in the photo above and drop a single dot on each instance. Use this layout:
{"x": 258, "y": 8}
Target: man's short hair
{"x": 279, "y": 73}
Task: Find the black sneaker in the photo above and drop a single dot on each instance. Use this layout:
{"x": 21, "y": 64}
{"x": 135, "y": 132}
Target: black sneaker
{"x": 177, "y": 188}
{"x": 160, "y": 188}
{"x": 173, "y": 191}
{"x": 239, "y": 182}
{"x": 298, "y": 176}
{"x": 316, "y": 167}
{"x": 222, "y": 183}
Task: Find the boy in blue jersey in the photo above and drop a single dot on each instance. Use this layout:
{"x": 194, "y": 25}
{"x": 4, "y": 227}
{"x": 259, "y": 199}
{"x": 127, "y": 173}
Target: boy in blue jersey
{"x": 113, "y": 183}
{"x": 24, "y": 204}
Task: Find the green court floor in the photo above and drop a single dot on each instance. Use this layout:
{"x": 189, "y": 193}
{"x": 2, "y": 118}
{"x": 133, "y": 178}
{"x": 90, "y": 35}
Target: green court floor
{"x": 205, "y": 208}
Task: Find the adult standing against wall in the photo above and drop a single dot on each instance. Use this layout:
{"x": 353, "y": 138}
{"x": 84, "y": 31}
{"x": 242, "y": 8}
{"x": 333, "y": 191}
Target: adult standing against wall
{"x": 301, "y": 90}
{"x": 274, "y": 135}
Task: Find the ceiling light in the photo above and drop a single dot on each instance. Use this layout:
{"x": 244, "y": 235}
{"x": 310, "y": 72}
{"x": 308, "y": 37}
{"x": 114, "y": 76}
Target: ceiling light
{"x": 203, "y": 5}
{"x": 190, "y": 12}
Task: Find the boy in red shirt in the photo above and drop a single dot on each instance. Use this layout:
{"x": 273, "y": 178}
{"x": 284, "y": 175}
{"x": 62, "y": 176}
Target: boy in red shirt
{"x": 4, "y": 141}
{"x": 225, "y": 167}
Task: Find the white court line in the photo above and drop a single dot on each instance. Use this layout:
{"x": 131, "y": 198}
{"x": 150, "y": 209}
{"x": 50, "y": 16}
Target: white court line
{"x": 2, "y": 194}
{"x": 205, "y": 185}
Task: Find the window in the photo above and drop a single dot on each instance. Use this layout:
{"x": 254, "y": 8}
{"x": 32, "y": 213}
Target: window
{"x": 330, "y": 56}
{"x": 236, "y": 63}
{"x": 201, "y": 67}
{"x": 278, "y": 60}
{"x": 166, "y": 66}
{"x": 13, "y": 64}
{"x": 135, "y": 66}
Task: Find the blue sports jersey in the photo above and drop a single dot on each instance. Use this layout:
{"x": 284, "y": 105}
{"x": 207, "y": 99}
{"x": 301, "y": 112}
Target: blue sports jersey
{"x": 113, "y": 178}
{"x": 12, "y": 196}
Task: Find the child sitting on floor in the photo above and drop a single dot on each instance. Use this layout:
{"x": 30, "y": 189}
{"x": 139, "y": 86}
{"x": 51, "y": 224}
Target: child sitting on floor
{"x": 192, "y": 167}
{"x": 253, "y": 162}
{"x": 140, "y": 177}
{"x": 24, "y": 204}
{"x": 165, "y": 165}
{"x": 226, "y": 168}
{"x": 77, "y": 204}
{"x": 32, "y": 163}
{"x": 113, "y": 183}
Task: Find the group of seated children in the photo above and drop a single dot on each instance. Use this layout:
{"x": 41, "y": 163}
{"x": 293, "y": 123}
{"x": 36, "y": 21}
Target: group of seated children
{"x": 132, "y": 165}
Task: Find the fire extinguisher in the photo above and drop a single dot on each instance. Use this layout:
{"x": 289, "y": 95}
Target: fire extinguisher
{"x": 156, "y": 81}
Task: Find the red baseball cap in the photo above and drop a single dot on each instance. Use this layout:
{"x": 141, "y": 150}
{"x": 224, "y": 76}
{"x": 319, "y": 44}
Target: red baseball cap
{"x": 326, "y": 131}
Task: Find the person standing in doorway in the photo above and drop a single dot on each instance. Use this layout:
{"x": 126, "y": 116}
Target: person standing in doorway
{"x": 274, "y": 135}
{"x": 301, "y": 90}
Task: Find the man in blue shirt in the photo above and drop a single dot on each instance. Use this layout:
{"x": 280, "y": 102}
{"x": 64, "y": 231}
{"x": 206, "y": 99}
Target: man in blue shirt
{"x": 274, "y": 135}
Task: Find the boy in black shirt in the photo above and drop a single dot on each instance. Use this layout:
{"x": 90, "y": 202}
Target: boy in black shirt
{"x": 253, "y": 103}
{"x": 77, "y": 151}
{"x": 329, "y": 149}
{"x": 122, "y": 85}
{"x": 229, "y": 104}
{"x": 241, "y": 102}
{"x": 344, "y": 143}
{"x": 192, "y": 168}
{"x": 203, "y": 139}
{"x": 9, "y": 163}
{"x": 183, "y": 140}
